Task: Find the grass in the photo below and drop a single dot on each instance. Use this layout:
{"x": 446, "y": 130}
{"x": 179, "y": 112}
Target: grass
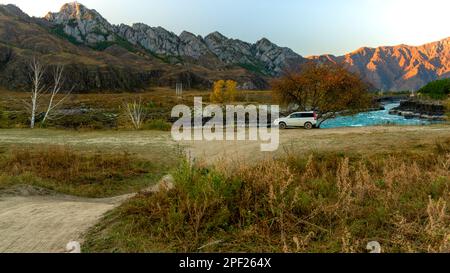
{"x": 316, "y": 202}
{"x": 67, "y": 170}
{"x": 103, "y": 110}
{"x": 157, "y": 124}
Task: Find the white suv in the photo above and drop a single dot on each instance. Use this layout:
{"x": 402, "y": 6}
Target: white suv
{"x": 308, "y": 120}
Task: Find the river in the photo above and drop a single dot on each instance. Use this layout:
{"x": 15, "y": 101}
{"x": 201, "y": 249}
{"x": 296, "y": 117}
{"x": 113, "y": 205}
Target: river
{"x": 373, "y": 118}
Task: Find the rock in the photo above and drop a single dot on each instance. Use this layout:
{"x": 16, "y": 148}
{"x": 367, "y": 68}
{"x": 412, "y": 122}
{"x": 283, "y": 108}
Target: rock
{"x": 157, "y": 40}
{"x": 230, "y": 51}
{"x": 275, "y": 58}
{"x": 192, "y": 46}
{"x": 420, "y": 109}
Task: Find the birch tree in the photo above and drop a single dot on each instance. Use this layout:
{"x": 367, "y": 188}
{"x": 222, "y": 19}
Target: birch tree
{"x": 58, "y": 82}
{"x": 37, "y": 88}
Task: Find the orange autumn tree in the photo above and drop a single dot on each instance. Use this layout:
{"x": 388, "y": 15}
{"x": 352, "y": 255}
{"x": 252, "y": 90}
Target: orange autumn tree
{"x": 326, "y": 89}
{"x": 224, "y": 91}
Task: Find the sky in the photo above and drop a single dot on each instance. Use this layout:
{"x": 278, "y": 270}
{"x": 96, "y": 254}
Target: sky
{"x": 309, "y": 27}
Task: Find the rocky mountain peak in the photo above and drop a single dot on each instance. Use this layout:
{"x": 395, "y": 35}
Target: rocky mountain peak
{"x": 216, "y": 36}
{"x": 73, "y": 11}
{"x": 192, "y": 45}
{"x": 85, "y": 25}
{"x": 264, "y": 42}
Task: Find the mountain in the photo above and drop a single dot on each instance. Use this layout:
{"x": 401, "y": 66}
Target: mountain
{"x": 95, "y": 56}
{"x": 101, "y": 55}
{"x": 90, "y": 28}
{"x": 397, "y": 67}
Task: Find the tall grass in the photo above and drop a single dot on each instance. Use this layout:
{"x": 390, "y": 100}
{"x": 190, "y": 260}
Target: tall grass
{"x": 324, "y": 202}
{"x": 64, "y": 169}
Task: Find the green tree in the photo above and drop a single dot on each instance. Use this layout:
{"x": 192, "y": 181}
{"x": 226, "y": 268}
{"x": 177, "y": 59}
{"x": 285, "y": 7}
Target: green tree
{"x": 439, "y": 89}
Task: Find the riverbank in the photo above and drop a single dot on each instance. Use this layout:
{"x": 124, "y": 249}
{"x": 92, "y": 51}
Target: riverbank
{"x": 410, "y": 109}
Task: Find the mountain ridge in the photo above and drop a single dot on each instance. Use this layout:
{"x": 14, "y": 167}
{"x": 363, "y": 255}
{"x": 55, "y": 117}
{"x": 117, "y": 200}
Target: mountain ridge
{"x": 394, "y": 68}
{"x": 89, "y": 27}
{"x": 400, "y": 67}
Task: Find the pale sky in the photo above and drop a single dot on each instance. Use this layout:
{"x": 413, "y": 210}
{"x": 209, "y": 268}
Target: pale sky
{"x": 309, "y": 27}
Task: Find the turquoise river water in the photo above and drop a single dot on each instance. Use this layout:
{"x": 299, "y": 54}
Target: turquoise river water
{"x": 372, "y": 119}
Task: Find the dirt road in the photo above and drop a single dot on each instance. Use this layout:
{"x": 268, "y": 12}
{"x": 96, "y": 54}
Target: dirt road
{"x": 45, "y": 223}
{"x": 358, "y": 139}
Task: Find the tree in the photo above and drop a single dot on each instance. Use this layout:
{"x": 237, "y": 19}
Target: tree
{"x": 136, "y": 113}
{"x": 224, "y": 91}
{"x": 439, "y": 89}
{"x": 39, "y": 90}
{"x": 230, "y": 90}
{"x": 326, "y": 89}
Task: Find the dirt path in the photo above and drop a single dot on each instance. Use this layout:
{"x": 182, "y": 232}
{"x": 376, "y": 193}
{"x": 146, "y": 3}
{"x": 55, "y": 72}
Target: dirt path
{"x": 46, "y": 223}
{"x": 361, "y": 139}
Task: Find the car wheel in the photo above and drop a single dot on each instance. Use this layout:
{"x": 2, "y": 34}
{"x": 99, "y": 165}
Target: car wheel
{"x": 283, "y": 125}
{"x": 308, "y": 126}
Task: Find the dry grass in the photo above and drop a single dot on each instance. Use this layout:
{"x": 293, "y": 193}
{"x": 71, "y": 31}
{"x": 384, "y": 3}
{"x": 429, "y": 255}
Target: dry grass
{"x": 160, "y": 97}
{"x": 324, "y": 202}
{"x": 63, "y": 169}
{"x": 105, "y": 110}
